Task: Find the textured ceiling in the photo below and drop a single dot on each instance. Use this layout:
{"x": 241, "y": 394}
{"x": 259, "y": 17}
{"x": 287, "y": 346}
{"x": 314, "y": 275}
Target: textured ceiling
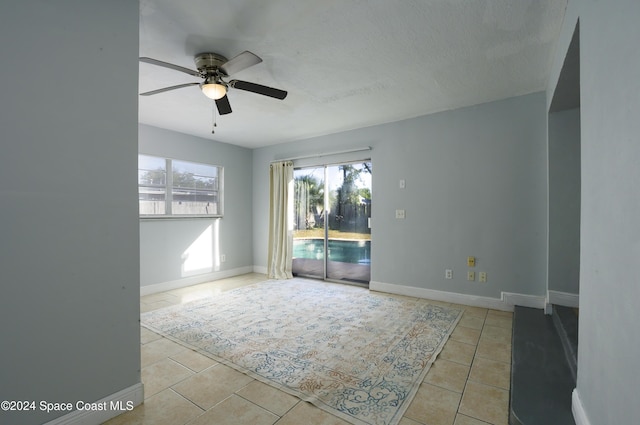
{"x": 346, "y": 63}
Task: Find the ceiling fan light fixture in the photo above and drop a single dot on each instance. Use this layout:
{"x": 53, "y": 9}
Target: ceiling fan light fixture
{"x": 214, "y": 90}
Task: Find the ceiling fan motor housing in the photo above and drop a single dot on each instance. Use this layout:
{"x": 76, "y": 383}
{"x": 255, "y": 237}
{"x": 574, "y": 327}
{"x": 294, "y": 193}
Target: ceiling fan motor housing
{"x": 210, "y": 63}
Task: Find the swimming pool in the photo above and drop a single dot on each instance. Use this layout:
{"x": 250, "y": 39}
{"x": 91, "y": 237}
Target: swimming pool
{"x": 344, "y": 251}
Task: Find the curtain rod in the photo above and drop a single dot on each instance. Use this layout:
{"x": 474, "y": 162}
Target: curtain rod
{"x": 368, "y": 148}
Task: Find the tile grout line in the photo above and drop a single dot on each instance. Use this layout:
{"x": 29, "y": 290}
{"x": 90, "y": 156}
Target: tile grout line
{"x": 475, "y": 354}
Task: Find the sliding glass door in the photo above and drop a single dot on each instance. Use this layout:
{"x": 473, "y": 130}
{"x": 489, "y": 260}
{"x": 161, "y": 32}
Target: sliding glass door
{"x": 332, "y": 232}
{"x": 308, "y": 222}
{"x": 348, "y": 224}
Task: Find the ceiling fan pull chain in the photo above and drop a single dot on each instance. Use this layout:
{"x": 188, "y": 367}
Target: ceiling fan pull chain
{"x": 213, "y": 129}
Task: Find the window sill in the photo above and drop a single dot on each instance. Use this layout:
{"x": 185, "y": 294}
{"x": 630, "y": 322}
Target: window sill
{"x": 180, "y": 217}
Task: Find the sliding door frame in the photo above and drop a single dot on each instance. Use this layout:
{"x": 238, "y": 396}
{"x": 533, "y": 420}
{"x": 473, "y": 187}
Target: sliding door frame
{"x": 326, "y": 224}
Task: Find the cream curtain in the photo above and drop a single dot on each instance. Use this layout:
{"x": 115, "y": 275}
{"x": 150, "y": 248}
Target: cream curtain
{"x": 280, "y": 220}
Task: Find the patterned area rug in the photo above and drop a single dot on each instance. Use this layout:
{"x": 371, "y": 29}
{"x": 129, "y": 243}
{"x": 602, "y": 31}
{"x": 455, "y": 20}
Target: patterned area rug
{"x": 357, "y": 354}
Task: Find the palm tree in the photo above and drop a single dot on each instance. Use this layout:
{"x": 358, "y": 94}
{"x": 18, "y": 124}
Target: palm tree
{"x": 309, "y": 200}
{"x": 348, "y": 207}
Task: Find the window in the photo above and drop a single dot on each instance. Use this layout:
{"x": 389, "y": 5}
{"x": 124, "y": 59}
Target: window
{"x": 152, "y": 185}
{"x": 168, "y": 187}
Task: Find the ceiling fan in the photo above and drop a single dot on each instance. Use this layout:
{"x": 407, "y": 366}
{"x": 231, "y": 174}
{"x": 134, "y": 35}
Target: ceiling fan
{"x": 213, "y": 68}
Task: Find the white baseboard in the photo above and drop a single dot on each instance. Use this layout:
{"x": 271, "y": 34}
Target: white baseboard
{"x": 193, "y": 280}
{"x": 506, "y": 303}
{"x": 524, "y": 300}
{"x": 114, "y": 405}
{"x": 579, "y": 415}
{"x": 260, "y": 269}
{"x": 563, "y": 298}
{"x": 432, "y": 294}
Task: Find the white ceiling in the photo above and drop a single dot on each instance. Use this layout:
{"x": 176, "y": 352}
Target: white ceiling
{"x": 346, "y": 63}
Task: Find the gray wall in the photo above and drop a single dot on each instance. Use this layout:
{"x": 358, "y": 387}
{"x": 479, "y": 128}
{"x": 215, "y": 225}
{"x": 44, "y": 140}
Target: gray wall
{"x": 564, "y": 201}
{"x": 68, "y": 218}
{"x": 608, "y": 373}
{"x": 163, "y": 242}
{"x": 476, "y": 184}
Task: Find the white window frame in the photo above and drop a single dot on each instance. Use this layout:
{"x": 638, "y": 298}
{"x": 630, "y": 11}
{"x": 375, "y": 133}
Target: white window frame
{"x": 169, "y": 188}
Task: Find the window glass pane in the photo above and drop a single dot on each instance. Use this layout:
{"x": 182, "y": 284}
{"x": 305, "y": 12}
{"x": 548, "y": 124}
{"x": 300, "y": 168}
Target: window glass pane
{"x": 195, "y": 189}
{"x": 193, "y": 175}
{"x": 194, "y": 202}
{"x": 152, "y": 177}
{"x": 195, "y": 168}
{"x": 151, "y": 200}
{"x": 152, "y": 170}
{"x": 151, "y": 162}
{"x": 208, "y": 183}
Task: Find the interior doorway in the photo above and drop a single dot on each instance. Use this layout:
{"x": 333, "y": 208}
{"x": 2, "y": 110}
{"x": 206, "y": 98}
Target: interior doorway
{"x": 565, "y": 175}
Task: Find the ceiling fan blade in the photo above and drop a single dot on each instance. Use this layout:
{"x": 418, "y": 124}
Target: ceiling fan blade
{"x": 240, "y": 62}
{"x": 149, "y": 93}
{"x": 224, "y": 107}
{"x": 258, "y": 88}
{"x": 170, "y": 66}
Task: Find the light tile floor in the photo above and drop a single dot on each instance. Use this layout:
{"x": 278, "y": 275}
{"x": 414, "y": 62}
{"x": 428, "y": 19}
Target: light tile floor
{"x": 467, "y": 385}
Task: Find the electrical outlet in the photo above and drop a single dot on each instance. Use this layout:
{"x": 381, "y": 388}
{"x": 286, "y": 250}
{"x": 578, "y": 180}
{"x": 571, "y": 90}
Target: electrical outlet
{"x": 471, "y": 276}
{"x": 400, "y": 214}
{"x": 402, "y": 184}
{"x": 471, "y": 261}
{"x": 448, "y": 274}
{"x": 483, "y": 276}
{"x": 223, "y": 258}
